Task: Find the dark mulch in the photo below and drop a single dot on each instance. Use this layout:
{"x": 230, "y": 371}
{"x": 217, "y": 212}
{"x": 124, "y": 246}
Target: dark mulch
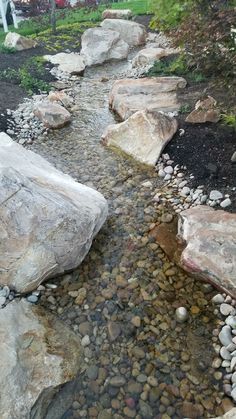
{"x": 11, "y": 94}
{"x": 206, "y": 150}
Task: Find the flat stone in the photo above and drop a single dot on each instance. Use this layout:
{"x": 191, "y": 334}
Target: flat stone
{"x": 72, "y": 63}
{"x": 209, "y": 242}
{"x": 155, "y": 93}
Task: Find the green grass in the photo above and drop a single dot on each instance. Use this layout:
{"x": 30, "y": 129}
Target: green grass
{"x": 175, "y": 67}
{"x": 35, "y": 26}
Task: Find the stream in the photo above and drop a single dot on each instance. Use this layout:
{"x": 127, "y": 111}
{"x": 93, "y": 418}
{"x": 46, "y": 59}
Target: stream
{"x": 138, "y": 361}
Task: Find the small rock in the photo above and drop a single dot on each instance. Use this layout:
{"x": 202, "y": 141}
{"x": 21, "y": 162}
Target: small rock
{"x": 169, "y": 170}
{"x": 226, "y": 203}
{"x": 225, "y": 336}
{"x": 181, "y": 314}
{"x": 215, "y": 195}
{"x": 85, "y": 341}
{"x": 32, "y": 298}
{"x": 226, "y": 309}
{"x": 218, "y": 299}
{"x": 117, "y": 381}
{"x": 225, "y": 354}
{"x": 166, "y": 218}
{"x": 233, "y": 158}
{"x": 114, "y": 330}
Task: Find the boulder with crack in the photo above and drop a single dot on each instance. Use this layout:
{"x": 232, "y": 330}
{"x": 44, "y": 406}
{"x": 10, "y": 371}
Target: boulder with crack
{"x": 48, "y": 220}
{"x": 100, "y": 45}
{"x": 38, "y": 353}
{"x": 18, "y": 42}
{"x": 117, "y": 14}
{"x": 148, "y": 56}
{"x": 52, "y": 115}
{"x": 72, "y": 63}
{"x": 209, "y": 237}
{"x": 132, "y": 33}
{"x": 142, "y": 136}
{"x": 153, "y": 93}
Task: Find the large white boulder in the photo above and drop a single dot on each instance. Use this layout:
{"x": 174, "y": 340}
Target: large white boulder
{"x": 155, "y": 93}
{"x": 142, "y": 136}
{"x": 100, "y": 45}
{"x": 117, "y": 14}
{"x": 72, "y": 63}
{"x": 52, "y": 115}
{"x": 48, "y": 220}
{"x": 38, "y": 353}
{"x": 18, "y": 42}
{"x": 148, "y": 56}
{"x": 210, "y": 245}
{"x": 132, "y": 33}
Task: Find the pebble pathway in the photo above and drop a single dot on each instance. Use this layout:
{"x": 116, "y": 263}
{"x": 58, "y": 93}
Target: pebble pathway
{"x": 139, "y": 361}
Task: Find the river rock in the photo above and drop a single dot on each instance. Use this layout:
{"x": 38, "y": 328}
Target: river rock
{"x": 117, "y": 14}
{"x": 52, "y": 115}
{"x": 210, "y": 251}
{"x": 61, "y": 98}
{"x": 205, "y": 111}
{"x": 35, "y": 357}
{"x": 132, "y": 33}
{"x": 100, "y": 45}
{"x": 155, "y": 93}
{"x": 48, "y": 220}
{"x": 148, "y": 56}
{"x": 72, "y": 63}
{"x": 143, "y": 135}
{"x": 18, "y": 42}
{"x": 225, "y": 336}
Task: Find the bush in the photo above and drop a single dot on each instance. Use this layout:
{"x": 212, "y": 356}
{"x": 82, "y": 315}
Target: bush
{"x": 208, "y": 41}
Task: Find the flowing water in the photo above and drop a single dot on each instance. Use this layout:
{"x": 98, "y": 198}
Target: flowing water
{"x": 159, "y": 368}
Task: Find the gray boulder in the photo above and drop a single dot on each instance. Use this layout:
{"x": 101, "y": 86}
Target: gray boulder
{"x": 48, "y": 220}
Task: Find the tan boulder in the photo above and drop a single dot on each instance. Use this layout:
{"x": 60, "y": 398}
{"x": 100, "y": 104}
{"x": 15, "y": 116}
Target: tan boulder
{"x": 155, "y": 93}
{"x": 72, "y": 63}
{"x": 61, "y": 98}
{"x": 38, "y": 353}
{"x": 210, "y": 245}
{"x": 18, "y": 42}
{"x": 148, "y": 56}
{"x": 117, "y": 14}
{"x": 100, "y": 45}
{"x": 132, "y": 33}
{"x": 142, "y": 136}
{"x": 205, "y": 111}
{"x": 52, "y": 115}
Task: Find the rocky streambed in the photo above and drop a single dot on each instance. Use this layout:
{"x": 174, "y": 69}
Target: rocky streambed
{"x": 139, "y": 361}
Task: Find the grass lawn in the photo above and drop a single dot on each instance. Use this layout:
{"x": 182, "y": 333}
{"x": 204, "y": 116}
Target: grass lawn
{"x": 73, "y": 19}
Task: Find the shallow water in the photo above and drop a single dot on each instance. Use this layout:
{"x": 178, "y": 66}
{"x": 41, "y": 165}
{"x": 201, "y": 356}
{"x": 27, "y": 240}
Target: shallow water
{"x": 126, "y": 275}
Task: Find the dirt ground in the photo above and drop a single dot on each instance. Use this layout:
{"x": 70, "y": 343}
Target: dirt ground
{"x": 205, "y": 149}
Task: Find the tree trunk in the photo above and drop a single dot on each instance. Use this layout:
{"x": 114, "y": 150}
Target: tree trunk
{"x": 53, "y": 15}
